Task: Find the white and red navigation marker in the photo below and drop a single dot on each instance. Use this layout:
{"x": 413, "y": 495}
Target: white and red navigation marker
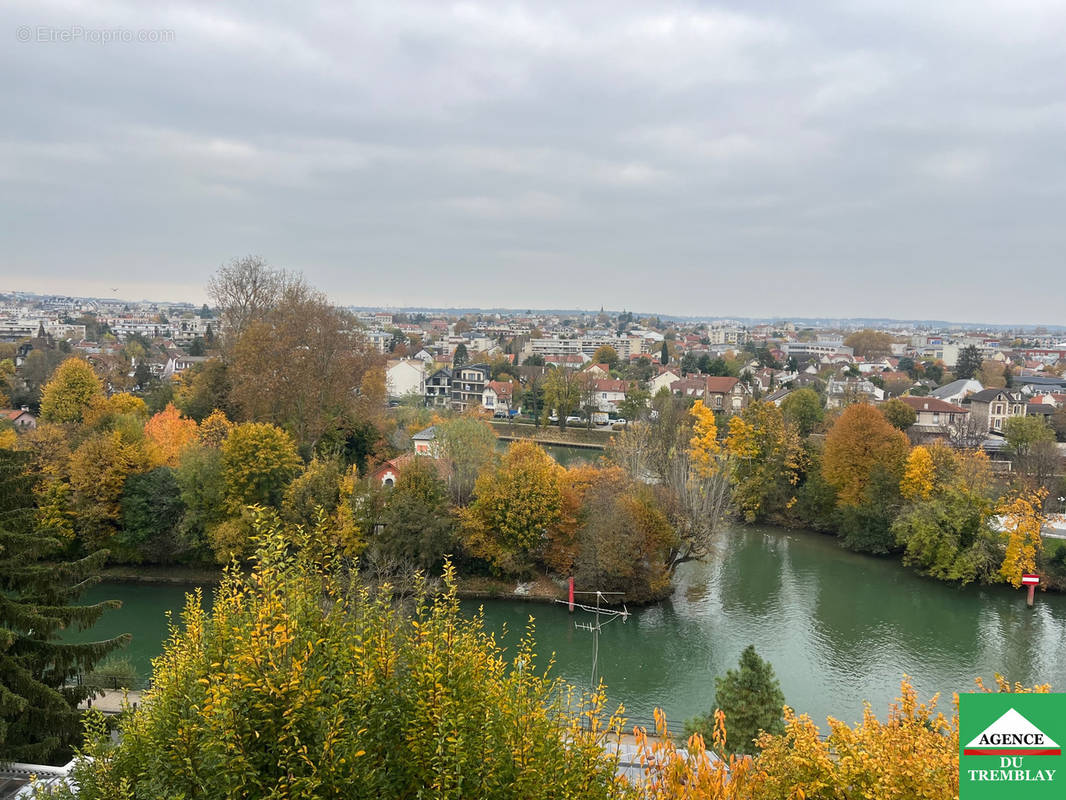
{"x": 1030, "y": 581}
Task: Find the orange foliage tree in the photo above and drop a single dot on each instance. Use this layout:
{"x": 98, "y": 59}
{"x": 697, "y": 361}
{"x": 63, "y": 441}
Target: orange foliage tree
{"x": 861, "y": 440}
{"x": 168, "y": 434}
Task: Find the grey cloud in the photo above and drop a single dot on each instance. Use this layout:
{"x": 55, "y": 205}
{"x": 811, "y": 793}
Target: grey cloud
{"x": 868, "y": 157}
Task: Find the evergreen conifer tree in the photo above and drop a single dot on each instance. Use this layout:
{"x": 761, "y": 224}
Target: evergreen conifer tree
{"x": 969, "y": 363}
{"x": 664, "y": 356}
{"x": 752, "y": 701}
{"x": 39, "y": 717}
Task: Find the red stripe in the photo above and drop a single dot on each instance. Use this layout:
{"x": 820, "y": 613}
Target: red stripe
{"x": 969, "y": 752}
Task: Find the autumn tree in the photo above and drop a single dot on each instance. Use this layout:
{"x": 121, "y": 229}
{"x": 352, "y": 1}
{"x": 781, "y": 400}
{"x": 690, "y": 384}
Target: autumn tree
{"x": 917, "y": 483}
{"x": 992, "y": 375}
{"x": 624, "y": 538}
{"x": 258, "y": 462}
{"x": 870, "y": 344}
{"x": 98, "y": 472}
{"x": 301, "y": 366}
{"x": 205, "y": 389}
{"x": 167, "y": 434}
{"x": 1021, "y": 518}
{"x": 860, "y": 440}
{"x": 803, "y": 409}
{"x": 751, "y": 702}
{"x": 39, "y": 716}
{"x": 562, "y": 392}
{"x": 767, "y": 458}
{"x": 295, "y": 685}
{"x": 214, "y": 429}
{"x": 605, "y": 354}
{"x": 70, "y": 392}
{"x": 245, "y": 290}
{"x": 696, "y": 492}
{"x": 900, "y": 415}
{"x": 417, "y": 525}
{"x": 913, "y": 753}
{"x": 515, "y": 507}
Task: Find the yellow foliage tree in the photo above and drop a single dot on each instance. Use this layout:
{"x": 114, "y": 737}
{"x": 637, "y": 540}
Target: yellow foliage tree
{"x": 117, "y": 404}
{"x": 168, "y": 434}
{"x": 70, "y": 392}
{"x": 516, "y": 506}
{"x": 1021, "y": 519}
{"x": 766, "y": 457}
{"x": 917, "y": 483}
{"x": 98, "y": 472}
{"x": 703, "y": 446}
{"x": 8, "y": 438}
{"x": 215, "y": 428}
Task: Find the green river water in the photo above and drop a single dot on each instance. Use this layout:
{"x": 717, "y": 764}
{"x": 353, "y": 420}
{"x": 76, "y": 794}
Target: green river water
{"x": 837, "y": 627}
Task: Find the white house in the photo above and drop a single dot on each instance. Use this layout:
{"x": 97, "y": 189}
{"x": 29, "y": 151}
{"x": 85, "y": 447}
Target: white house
{"x": 609, "y": 394}
{"x": 406, "y": 377}
{"x": 662, "y": 381}
{"x": 497, "y": 396}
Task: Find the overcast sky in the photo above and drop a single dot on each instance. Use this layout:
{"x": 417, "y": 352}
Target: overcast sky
{"x": 852, "y": 158}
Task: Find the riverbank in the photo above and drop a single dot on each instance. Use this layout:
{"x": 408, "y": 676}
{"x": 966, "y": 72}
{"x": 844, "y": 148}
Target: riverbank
{"x": 590, "y": 438}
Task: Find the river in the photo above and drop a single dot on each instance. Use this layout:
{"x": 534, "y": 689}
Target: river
{"x": 837, "y": 627}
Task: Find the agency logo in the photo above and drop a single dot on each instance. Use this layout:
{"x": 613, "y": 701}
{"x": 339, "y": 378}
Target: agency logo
{"x": 1009, "y": 744}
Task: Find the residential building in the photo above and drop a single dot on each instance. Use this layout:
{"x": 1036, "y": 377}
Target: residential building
{"x": 610, "y": 393}
{"x": 497, "y": 396}
{"x": 717, "y": 393}
{"x": 934, "y": 416}
{"x": 957, "y": 391}
{"x": 468, "y": 385}
{"x": 405, "y": 377}
{"x": 993, "y": 407}
{"x": 426, "y": 442}
{"x": 438, "y": 387}
{"x": 664, "y": 380}
{"x": 843, "y": 392}
{"x": 800, "y": 349}
{"x": 21, "y": 418}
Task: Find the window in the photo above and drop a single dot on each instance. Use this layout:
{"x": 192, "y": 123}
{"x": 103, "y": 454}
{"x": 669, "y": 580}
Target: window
{"x": 718, "y": 401}
{"x": 936, "y": 417}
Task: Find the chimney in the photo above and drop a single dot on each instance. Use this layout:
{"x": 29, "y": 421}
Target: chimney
{"x": 926, "y": 406}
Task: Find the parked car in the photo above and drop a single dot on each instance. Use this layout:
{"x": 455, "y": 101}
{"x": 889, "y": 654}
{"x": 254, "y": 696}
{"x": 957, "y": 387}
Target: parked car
{"x": 499, "y": 414}
{"x": 620, "y": 421}
{"x": 573, "y": 420}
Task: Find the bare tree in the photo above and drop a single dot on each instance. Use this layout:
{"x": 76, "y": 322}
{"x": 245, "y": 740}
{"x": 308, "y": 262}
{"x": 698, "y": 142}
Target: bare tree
{"x": 657, "y": 452}
{"x": 301, "y": 365}
{"x": 244, "y": 290}
{"x": 965, "y": 432}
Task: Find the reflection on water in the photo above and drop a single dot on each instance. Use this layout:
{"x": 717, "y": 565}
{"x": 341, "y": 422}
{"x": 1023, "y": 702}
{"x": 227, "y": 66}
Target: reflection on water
{"x": 838, "y": 628}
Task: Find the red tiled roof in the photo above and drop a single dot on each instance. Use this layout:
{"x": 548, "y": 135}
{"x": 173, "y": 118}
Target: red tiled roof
{"x": 502, "y": 388}
{"x": 717, "y": 385}
{"x": 610, "y": 385}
